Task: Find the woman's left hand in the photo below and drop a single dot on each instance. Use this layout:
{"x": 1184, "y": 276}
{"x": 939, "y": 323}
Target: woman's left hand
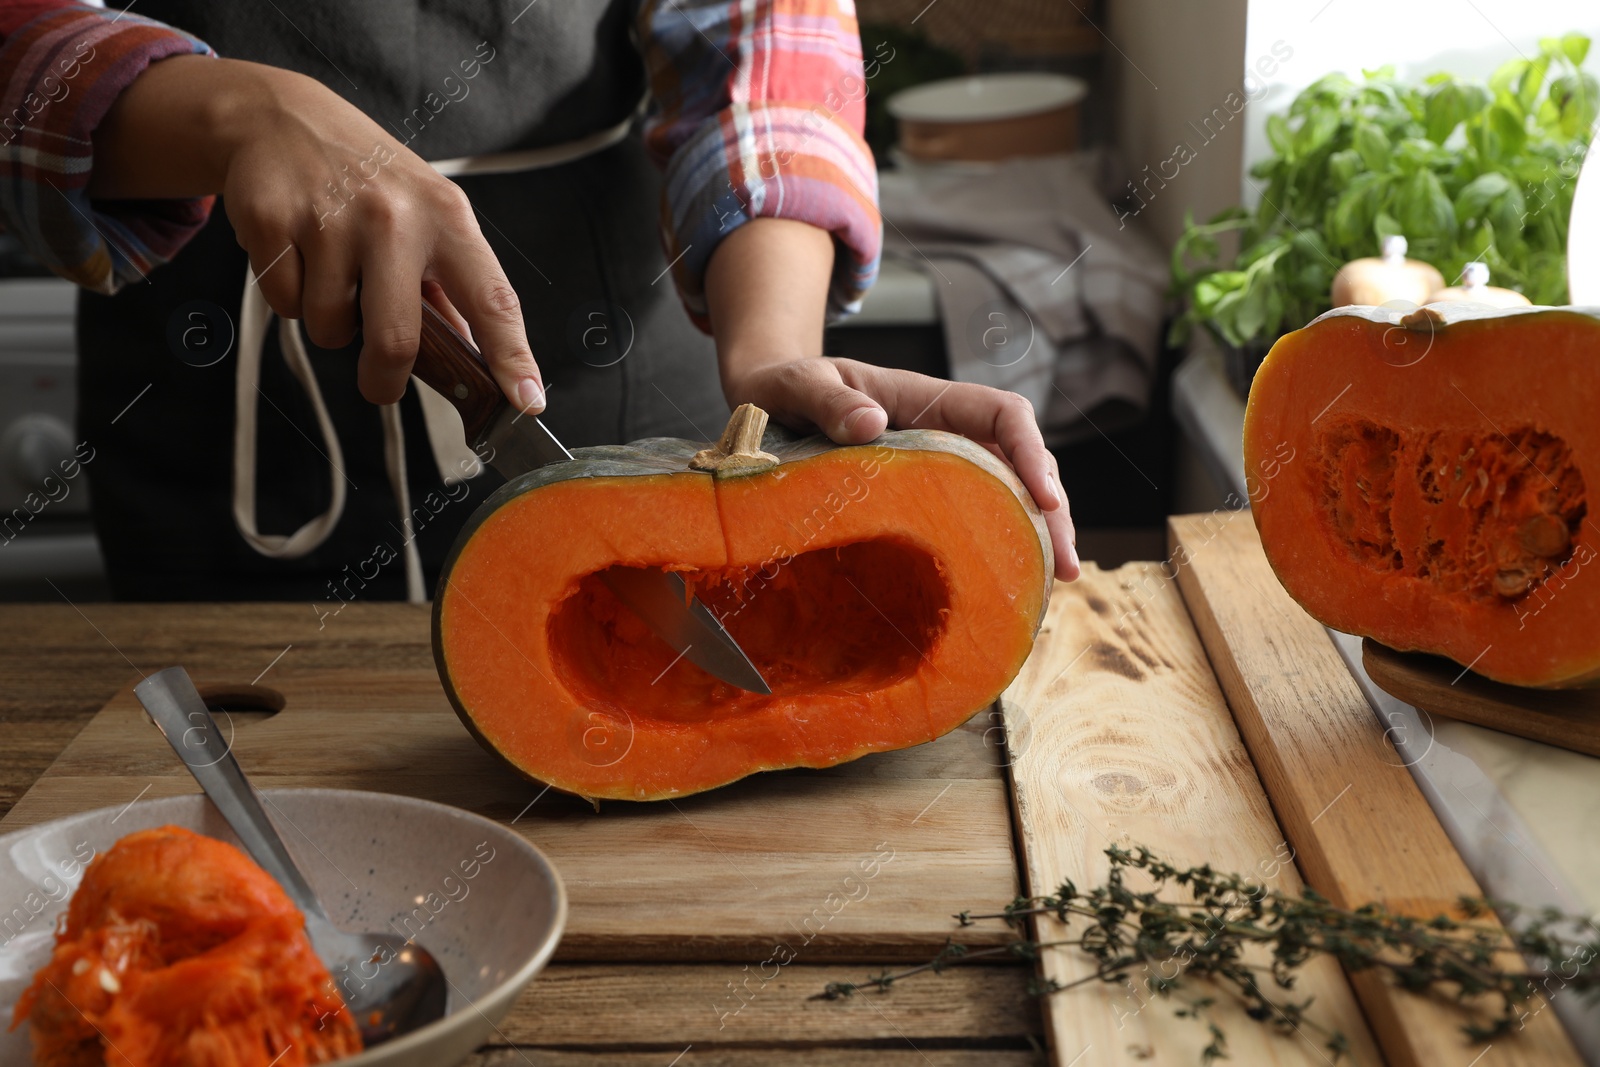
{"x": 767, "y": 288}
{"x": 854, "y": 402}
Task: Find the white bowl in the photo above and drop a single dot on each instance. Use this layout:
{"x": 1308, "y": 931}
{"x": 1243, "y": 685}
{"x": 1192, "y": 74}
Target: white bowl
{"x": 373, "y": 859}
{"x": 986, "y": 97}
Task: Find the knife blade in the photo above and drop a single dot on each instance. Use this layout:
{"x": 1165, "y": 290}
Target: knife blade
{"x": 513, "y": 443}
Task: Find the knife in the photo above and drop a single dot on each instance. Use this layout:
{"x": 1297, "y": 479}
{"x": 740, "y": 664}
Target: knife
{"x": 518, "y": 443}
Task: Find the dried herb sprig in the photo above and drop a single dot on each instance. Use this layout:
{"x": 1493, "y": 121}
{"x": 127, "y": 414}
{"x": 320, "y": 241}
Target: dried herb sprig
{"x": 1493, "y": 973}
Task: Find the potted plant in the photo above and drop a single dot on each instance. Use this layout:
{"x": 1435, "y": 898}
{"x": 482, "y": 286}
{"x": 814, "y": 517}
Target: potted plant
{"x": 1464, "y": 171}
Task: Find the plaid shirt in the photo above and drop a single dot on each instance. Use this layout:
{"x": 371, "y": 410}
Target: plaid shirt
{"x": 758, "y": 112}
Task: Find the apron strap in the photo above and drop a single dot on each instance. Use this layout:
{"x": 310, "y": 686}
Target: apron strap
{"x": 538, "y": 158}
{"x": 394, "y": 458}
{"x": 254, "y": 318}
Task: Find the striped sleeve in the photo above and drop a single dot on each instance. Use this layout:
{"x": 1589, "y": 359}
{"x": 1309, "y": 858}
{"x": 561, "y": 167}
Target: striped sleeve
{"x": 61, "y": 67}
{"x": 758, "y": 113}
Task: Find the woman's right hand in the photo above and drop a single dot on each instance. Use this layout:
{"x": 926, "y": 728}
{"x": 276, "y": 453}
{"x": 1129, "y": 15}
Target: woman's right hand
{"x": 345, "y": 227}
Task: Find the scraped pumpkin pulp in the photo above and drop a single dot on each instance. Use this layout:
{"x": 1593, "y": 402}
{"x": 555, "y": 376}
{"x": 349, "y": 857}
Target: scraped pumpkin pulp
{"x": 885, "y": 592}
{"x": 178, "y": 950}
{"x": 1427, "y": 484}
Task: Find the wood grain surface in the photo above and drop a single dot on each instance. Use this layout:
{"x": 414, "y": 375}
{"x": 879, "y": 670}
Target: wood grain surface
{"x": 853, "y": 1055}
{"x": 669, "y": 1006}
{"x": 725, "y": 875}
{"x": 1360, "y": 828}
{"x": 62, "y": 663}
{"x": 1120, "y": 736}
{"x": 1566, "y": 718}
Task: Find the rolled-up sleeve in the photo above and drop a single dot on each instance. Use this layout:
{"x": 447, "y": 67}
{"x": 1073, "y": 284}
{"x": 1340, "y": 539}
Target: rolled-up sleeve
{"x": 62, "y": 67}
{"x": 758, "y": 113}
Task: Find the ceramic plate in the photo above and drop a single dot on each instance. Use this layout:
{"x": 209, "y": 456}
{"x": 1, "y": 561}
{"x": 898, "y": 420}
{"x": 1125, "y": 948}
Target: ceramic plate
{"x": 487, "y": 904}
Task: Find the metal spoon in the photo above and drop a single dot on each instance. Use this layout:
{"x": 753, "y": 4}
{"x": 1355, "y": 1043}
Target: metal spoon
{"x": 390, "y": 985}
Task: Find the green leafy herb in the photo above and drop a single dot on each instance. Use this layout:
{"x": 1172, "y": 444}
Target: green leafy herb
{"x": 1464, "y": 171}
{"x": 1250, "y": 942}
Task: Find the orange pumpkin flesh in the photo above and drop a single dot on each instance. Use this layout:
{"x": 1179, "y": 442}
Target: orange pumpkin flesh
{"x": 177, "y": 949}
{"x": 886, "y": 593}
{"x": 1426, "y": 484}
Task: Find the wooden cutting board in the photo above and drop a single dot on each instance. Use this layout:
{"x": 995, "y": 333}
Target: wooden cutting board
{"x": 730, "y": 875}
{"x": 1121, "y": 736}
{"x": 1358, "y": 825}
{"x": 1567, "y": 718}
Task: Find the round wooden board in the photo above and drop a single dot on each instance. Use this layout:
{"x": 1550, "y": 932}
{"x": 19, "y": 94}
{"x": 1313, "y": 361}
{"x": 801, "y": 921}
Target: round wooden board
{"x": 1567, "y": 718}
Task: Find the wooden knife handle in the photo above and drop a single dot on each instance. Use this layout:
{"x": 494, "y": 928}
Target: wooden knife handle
{"x": 448, "y": 362}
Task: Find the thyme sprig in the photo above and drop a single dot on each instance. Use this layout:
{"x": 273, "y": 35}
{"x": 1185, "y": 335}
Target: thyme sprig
{"x": 1251, "y": 942}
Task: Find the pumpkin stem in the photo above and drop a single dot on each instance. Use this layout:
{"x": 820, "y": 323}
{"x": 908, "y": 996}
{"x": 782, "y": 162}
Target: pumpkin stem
{"x": 740, "y": 445}
{"x": 1423, "y": 318}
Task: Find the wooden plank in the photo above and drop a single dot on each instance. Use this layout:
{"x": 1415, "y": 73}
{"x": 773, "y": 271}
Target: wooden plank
{"x": 670, "y": 1006}
{"x": 817, "y": 1056}
{"x": 357, "y": 721}
{"x": 717, "y": 876}
{"x": 1360, "y": 829}
{"x": 26, "y": 750}
{"x": 61, "y": 666}
{"x": 62, "y": 663}
{"x": 1122, "y": 737}
{"x": 60, "y": 657}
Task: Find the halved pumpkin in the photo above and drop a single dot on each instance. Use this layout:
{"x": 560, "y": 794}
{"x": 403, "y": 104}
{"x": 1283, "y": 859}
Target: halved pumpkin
{"x": 1422, "y": 479}
{"x": 886, "y": 592}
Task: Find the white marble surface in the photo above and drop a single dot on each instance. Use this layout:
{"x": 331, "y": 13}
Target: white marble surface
{"x": 1521, "y": 813}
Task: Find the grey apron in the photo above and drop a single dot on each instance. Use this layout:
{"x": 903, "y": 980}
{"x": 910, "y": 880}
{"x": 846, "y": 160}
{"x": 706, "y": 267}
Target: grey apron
{"x": 578, "y": 241}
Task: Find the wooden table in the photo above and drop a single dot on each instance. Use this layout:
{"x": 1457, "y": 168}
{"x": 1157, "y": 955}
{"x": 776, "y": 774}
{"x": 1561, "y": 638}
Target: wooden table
{"x": 607, "y": 999}
{"x": 1190, "y": 707}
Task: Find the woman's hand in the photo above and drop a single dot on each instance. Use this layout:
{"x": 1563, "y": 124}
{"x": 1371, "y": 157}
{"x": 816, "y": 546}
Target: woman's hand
{"x": 854, "y": 402}
{"x": 766, "y": 288}
{"x": 344, "y": 225}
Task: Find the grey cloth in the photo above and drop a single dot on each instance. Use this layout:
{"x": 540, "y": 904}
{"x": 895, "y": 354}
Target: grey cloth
{"x": 1039, "y": 289}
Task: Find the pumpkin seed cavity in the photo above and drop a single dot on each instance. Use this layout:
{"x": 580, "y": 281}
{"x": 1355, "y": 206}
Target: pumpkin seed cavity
{"x": 854, "y": 617}
{"x": 1477, "y": 514}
